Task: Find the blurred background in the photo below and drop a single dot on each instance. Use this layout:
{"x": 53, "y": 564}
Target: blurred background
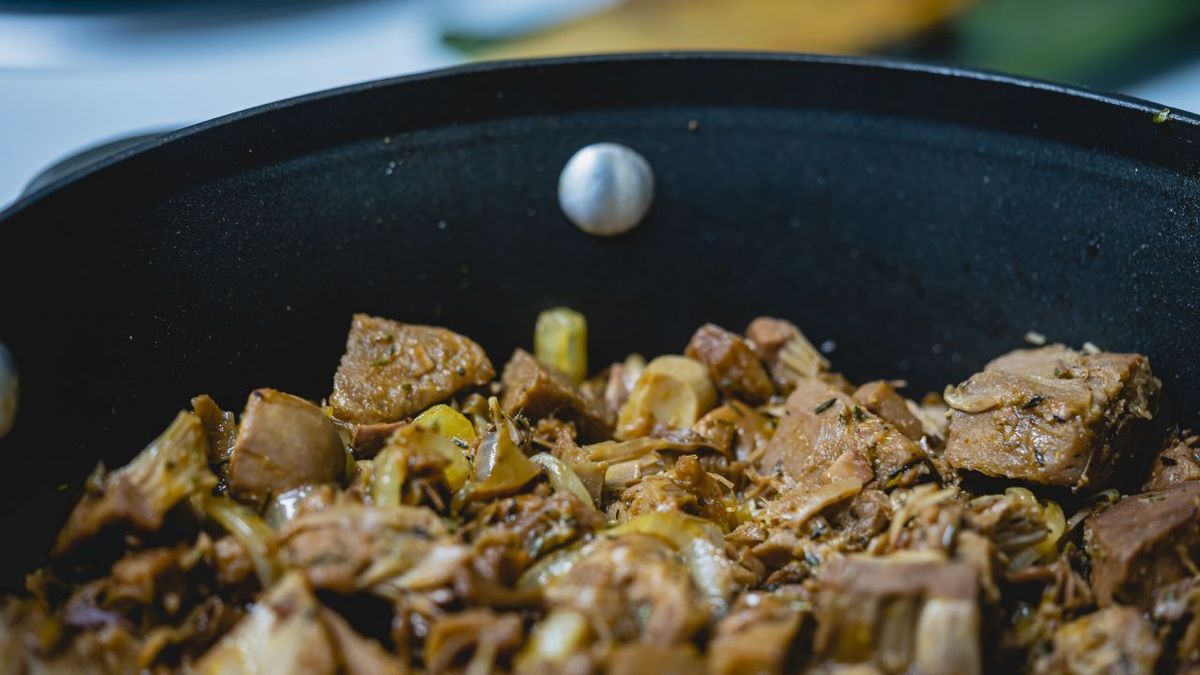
{"x": 75, "y": 74}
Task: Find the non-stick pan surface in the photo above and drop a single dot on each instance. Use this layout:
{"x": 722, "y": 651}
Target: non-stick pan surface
{"x": 918, "y": 220}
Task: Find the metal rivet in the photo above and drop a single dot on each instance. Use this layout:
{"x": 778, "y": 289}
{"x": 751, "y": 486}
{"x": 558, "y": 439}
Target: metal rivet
{"x": 606, "y": 188}
{"x": 8, "y": 391}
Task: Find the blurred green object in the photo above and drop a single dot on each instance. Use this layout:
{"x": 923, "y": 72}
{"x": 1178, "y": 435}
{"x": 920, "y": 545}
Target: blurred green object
{"x": 1100, "y": 43}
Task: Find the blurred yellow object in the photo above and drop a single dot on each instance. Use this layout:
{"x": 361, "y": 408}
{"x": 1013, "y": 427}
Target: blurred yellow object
{"x": 448, "y": 423}
{"x": 829, "y": 26}
{"x": 560, "y": 341}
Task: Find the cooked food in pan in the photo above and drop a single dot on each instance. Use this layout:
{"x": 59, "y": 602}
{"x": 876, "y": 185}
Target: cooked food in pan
{"x": 738, "y": 507}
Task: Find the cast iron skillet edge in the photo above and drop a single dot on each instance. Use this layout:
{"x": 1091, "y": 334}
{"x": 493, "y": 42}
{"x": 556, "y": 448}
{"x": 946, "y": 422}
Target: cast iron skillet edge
{"x": 1130, "y": 103}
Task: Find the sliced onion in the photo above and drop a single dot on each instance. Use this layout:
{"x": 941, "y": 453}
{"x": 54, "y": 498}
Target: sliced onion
{"x": 391, "y": 470}
{"x": 553, "y": 565}
{"x": 283, "y": 506}
{"x": 558, "y": 636}
{"x": 702, "y": 546}
{"x": 447, "y": 422}
{"x": 562, "y": 477}
{"x": 501, "y": 468}
{"x": 248, "y": 529}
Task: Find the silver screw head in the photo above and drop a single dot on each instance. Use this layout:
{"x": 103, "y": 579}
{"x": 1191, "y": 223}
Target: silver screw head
{"x": 606, "y": 188}
{"x": 8, "y": 391}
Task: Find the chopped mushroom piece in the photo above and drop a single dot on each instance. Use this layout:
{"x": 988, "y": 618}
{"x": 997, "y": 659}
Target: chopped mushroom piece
{"x": 1144, "y": 542}
{"x": 907, "y": 612}
{"x": 636, "y": 587}
{"x": 1053, "y": 416}
{"x": 284, "y": 442}
{"x": 353, "y": 547}
{"x": 173, "y": 467}
{"x": 393, "y": 370}
{"x": 1112, "y": 640}
{"x": 220, "y": 426}
{"x": 788, "y": 354}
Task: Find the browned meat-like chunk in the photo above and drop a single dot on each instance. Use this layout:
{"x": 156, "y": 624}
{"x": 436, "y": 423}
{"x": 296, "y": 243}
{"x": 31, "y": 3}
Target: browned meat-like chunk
{"x": 634, "y": 585}
{"x": 369, "y": 439}
{"x": 647, "y": 659}
{"x": 788, "y": 354}
{"x": 536, "y": 391}
{"x": 824, "y": 436}
{"x": 1178, "y": 462}
{"x": 907, "y": 612}
{"x": 1116, "y": 640}
{"x": 172, "y": 467}
{"x": 393, "y": 370}
{"x": 1143, "y": 542}
{"x": 1053, "y": 416}
{"x": 758, "y": 636}
{"x": 733, "y": 366}
{"x": 336, "y": 547}
{"x": 284, "y": 442}
{"x": 881, "y": 398}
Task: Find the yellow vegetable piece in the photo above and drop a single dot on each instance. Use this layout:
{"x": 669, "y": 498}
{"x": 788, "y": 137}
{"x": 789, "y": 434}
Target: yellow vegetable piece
{"x": 560, "y": 342}
{"x": 501, "y": 468}
{"x": 391, "y": 464}
{"x": 562, "y": 477}
{"x": 251, "y": 531}
{"x": 658, "y": 400}
{"x": 560, "y": 635}
{"x": 692, "y": 373}
{"x": 447, "y": 422}
{"x": 701, "y": 545}
{"x": 391, "y": 470}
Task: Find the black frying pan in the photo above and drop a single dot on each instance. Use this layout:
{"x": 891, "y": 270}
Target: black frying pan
{"x": 922, "y": 219}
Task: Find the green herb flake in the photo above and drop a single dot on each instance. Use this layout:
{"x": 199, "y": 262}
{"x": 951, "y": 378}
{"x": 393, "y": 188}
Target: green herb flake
{"x": 379, "y": 363}
{"x": 1162, "y": 116}
{"x": 826, "y": 405}
{"x": 859, "y": 414}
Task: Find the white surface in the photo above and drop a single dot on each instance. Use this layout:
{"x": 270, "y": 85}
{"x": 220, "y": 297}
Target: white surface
{"x": 69, "y": 82}
{"x": 1179, "y": 88}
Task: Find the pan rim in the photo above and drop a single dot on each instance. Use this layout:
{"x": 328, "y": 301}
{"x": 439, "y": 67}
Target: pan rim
{"x": 1124, "y": 103}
